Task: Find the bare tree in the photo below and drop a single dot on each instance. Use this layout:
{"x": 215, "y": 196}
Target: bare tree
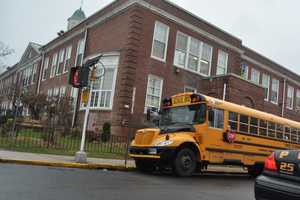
{"x": 5, "y": 50}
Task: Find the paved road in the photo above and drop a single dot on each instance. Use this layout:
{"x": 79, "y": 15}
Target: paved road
{"x": 19, "y": 182}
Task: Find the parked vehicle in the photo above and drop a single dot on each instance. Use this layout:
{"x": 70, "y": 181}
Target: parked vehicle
{"x": 281, "y": 177}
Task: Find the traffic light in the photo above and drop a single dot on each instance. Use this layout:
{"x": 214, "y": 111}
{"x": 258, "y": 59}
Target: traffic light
{"x": 74, "y": 77}
{"x": 84, "y": 73}
{"x": 79, "y": 77}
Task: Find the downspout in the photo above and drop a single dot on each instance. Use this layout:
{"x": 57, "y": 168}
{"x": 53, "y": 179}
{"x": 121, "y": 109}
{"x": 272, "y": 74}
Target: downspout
{"x": 224, "y": 91}
{"x": 77, "y": 96}
{"x": 40, "y": 74}
{"x": 283, "y": 98}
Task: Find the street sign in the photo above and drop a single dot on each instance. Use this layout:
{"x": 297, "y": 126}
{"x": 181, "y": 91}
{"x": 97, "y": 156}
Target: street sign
{"x": 85, "y": 96}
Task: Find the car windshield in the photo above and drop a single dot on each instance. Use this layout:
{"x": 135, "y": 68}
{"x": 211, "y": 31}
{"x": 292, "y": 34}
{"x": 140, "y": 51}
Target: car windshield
{"x": 192, "y": 114}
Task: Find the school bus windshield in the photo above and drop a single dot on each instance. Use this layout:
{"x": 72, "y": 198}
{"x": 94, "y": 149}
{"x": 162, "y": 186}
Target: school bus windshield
{"x": 183, "y": 115}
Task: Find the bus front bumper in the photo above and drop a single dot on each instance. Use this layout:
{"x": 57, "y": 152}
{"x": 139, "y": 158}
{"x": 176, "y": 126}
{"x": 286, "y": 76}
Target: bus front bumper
{"x": 161, "y": 153}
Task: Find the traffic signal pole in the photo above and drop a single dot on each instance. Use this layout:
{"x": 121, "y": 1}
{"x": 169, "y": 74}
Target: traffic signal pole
{"x": 81, "y": 156}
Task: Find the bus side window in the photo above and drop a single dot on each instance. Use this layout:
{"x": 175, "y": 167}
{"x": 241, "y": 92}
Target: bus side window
{"x": 298, "y": 141}
{"x": 216, "y": 118}
{"x": 244, "y": 124}
{"x": 271, "y": 129}
{"x": 263, "y": 125}
{"x": 254, "y": 126}
{"x": 287, "y": 134}
{"x": 233, "y": 121}
{"x": 294, "y": 135}
{"x": 279, "y": 131}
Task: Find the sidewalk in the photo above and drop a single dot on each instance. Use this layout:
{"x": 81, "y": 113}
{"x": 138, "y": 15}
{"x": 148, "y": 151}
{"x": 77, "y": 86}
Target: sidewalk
{"x": 93, "y": 163}
{"x": 63, "y": 161}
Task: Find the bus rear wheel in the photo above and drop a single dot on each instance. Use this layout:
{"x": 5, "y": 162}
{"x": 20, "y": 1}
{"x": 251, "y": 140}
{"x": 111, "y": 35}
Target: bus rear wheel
{"x": 145, "y": 166}
{"x": 184, "y": 162}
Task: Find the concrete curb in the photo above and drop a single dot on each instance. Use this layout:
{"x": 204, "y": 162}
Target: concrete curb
{"x": 68, "y": 165}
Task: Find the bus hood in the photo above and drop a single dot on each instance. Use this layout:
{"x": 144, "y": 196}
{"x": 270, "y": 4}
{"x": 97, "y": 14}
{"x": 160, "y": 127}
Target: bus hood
{"x": 146, "y": 136}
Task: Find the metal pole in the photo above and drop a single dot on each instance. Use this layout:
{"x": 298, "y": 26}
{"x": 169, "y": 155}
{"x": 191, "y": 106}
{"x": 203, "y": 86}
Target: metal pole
{"x": 81, "y": 156}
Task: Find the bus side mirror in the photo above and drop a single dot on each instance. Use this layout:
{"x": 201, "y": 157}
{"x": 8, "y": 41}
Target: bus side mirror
{"x": 148, "y": 114}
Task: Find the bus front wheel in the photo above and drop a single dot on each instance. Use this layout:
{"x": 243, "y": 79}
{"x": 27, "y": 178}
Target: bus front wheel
{"x": 184, "y": 162}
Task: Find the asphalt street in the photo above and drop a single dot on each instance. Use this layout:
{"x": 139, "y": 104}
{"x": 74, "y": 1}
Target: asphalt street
{"x": 18, "y": 182}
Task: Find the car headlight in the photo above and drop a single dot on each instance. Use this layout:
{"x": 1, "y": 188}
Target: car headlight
{"x": 164, "y": 143}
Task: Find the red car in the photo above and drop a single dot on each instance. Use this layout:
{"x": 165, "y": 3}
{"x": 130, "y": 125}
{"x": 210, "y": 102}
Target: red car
{"x": 281, "y": 177}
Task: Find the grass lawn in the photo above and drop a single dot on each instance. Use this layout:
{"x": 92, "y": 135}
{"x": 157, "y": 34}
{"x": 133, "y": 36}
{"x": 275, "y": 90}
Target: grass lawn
{"x": 37, "y": 142}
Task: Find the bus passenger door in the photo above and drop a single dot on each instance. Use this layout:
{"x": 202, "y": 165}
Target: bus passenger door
{"x": 214, "y": 136}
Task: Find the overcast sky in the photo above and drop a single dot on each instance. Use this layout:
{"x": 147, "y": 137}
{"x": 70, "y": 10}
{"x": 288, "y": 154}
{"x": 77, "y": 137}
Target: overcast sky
{"x": 271, "y": 27}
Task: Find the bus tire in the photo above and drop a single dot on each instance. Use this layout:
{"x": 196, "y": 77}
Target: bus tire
{"x": 144, "y": 166}
{"x": 254, "y": 170}
{"x": 185, "y": 162}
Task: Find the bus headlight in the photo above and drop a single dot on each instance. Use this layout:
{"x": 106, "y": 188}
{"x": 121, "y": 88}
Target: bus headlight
{"x": 164, "y": 143}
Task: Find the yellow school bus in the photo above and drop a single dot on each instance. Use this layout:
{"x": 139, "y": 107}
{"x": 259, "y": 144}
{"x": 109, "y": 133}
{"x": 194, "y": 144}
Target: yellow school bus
{"x": 195, "y": 130}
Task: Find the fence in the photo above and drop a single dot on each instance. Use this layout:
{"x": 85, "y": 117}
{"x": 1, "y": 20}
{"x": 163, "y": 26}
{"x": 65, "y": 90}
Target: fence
{"x": 31, "y": 140}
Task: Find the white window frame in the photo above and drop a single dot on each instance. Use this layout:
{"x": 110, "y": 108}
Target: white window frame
{"x": 80, "y": 50}
{"x": 246, "y": 67}
{"x": 68, "y": 56}
{"x": 45, "y": 67}
{"x": 277, "y": 91}
{"x": 147, "y": 91}
{"x": 190, "y": 88}
{"x": 61, "y": 55}
{"x": 292, "y": 89}
{"x": 218, "y": 65}
{"x": 185, "y": 67}
{"x": 253, "y": 70}
{"x": 298, "y": 100}
{"x": 166, "y": 42}
{"x": 62, "y": 91}
{"x": 34, "y": 73}
{"x": 115, "y": 67}
{"x": 53, "y": 65}
{"x": 266, "y": 86}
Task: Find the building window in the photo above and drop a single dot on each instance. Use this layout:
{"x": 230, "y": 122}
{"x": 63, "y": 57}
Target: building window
{"x": 55, "y": 92}
{"x": 68, "y": 59}
{"x": 266, "y": 84}
{"x": 290, "y": 97}
{"x": 298, "y": 101}
{"x": 244, "y": 71}
{"x": 34, "y": 70}
{"x": 190, "y": 89}
{"x": 192, "y": 54}
{"x": 49, "y": 93}
{"x": 154, "y": 91}
{"x": 53, "y": 65}
{"x": 216, "y": 118}
{"x": 160, "y": 41}
{"x": 255, "y": 76}
{"x": 104, "y": 87}
{"x": 45, "y": 69}
{"x": 60, "y": 61}
{"x": 274, "y": 91}
{"x": 62, "y": 91}
{"x": 80, "y": 51}
{"x": 181, "y": 50}
{"x": 222, "y": 62}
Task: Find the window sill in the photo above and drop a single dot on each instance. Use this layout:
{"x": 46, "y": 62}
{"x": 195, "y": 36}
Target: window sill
{"x": 159, "y": 59}
{"x": 189, "y": 70}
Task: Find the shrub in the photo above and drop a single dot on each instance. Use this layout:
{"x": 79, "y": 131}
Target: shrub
{"x": 106, "y": 132}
